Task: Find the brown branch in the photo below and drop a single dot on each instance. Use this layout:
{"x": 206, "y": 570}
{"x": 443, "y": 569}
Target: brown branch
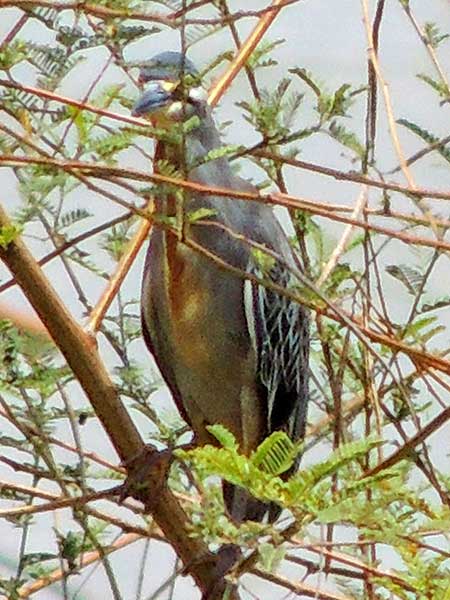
{"x": 421, "y": 153}
{"x": 25, "y": 489}
{"x": 330, "y": 310}
{"x": 408, "y": 447}
{"x": 355, "y": 323}
{"x": 299, "y": 588}
{"x": 171, "y": 20}
{"x": 423, "y": 358}
{"x": 391, "y": 118}
{"x": 99, "y": 228}
{"x": 91, "y": 557}
{"x": 225, "y": 11}
{"x": 87, "y": 559}
{"x": 372, "y": 96}
{"x": 132, "y": 250}
{"x": 70, "y": 243}
{"x": 55, "y": 504}
{"x": 30, "y": 431}
{"x": 289, "y": 201}
{"x": 224, "y": 20}
{"x": 354, "y": 177}
{"x": 302, "y": 589}
{"x": 429, "y": 47}
{"x": 96, "y": 10}
{"x": 74, "y": 344}
{"x": 71, "y": 102}
{"x": 354, "y": 562}
{"x": 328, "y": 171}
{"x": 341, "y": 246}
{"x": 372, "y": 51}
{"x": 14, "y": 30}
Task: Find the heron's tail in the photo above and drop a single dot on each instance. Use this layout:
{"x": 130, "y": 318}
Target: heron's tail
{"x": 242, "y": 506}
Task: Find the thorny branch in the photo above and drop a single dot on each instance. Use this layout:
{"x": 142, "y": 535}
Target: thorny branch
{"x": 89, "y": 370}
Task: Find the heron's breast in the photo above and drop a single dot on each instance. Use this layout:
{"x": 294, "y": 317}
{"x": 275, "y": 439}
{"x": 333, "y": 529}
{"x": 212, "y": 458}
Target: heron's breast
{"x": 207, "y": 343}
{"x": 190, "y": 304}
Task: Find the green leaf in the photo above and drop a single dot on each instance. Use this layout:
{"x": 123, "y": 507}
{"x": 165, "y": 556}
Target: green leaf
{"x": 443, "y": 302}
{"x": 72, "y": 217}
{"x": 36, "y": 557}
{"x": 11, "y": 54}
{"x": 426, "y": 136}
{"x": 273, "y": 113}
{"x": 220, "y": 152}
{"x": 223, "y": 436}
{"x": 196, "y": 33}
{"x": 260, "y": 57}
{"x": 411, "y": 278}
{"x": 107, "y": 146}
{"x": 276, "y": 454}
{"x": 335, "y": 104}
{"x": 263, "y": 261}
{"x": 433, "y": 34}
{"x": 307, "y": 78}
{"x": 200, "y": 214}
{"x": 346, "y": 138}
{"x": 9, "y": 233}
{"x": 271, "y": 556}
{"x": 83, "y": 121}
{"x": 438, "y": 86}
{"x": 419, "y": 331}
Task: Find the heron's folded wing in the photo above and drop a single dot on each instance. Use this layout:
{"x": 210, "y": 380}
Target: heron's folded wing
{"x": 279, "y": 328}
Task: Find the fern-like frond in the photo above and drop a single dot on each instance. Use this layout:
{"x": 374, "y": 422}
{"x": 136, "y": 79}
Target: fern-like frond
{"x": 276, "y": 454}
{"x": 411, "y": 278}
{"x": 426, "y": 136}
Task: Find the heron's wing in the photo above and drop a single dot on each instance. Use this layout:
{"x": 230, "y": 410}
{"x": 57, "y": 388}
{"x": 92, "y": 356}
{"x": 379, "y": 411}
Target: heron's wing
{"x": 279, "y": 328}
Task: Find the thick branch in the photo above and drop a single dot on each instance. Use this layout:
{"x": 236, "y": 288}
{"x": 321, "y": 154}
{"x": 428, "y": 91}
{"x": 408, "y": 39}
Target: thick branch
{"x": 85, "y": 362}
{"x": 74, "y": 344}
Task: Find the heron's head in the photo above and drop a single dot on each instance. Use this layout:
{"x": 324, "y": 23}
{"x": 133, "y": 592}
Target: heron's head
{"x": 171, "y": 92}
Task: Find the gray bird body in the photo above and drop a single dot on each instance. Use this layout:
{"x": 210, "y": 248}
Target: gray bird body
{"x": 232, "y": 352}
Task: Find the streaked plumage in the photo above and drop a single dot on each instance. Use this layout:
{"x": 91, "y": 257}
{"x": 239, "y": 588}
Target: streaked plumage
{"x": 231, "y": 351}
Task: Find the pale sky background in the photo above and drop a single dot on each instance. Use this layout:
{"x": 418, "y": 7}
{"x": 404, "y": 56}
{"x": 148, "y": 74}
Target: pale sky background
{"x": 325, "y": 37}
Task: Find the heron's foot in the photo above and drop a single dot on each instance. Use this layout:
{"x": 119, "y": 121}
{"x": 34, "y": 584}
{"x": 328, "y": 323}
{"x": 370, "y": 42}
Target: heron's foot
{"x": 227, "y": 556}
{"x": 147, "y": 475}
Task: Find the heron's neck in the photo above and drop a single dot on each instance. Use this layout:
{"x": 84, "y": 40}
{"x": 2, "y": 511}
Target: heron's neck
{"x": 189, "y": 159}
{"x": 196, "y": 145}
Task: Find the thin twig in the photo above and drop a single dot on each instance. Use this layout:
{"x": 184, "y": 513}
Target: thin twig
{"x": 408, "y": 447}
{"x": 429, "y": 47}
{"x": 246, "y": 49}
{"x": 88, "y": 559}
{"x": 114, "y": 284}
{"x": 14, "y": 30}
{"x": 342, "y": 244}
{"x": 391, "y": 119}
